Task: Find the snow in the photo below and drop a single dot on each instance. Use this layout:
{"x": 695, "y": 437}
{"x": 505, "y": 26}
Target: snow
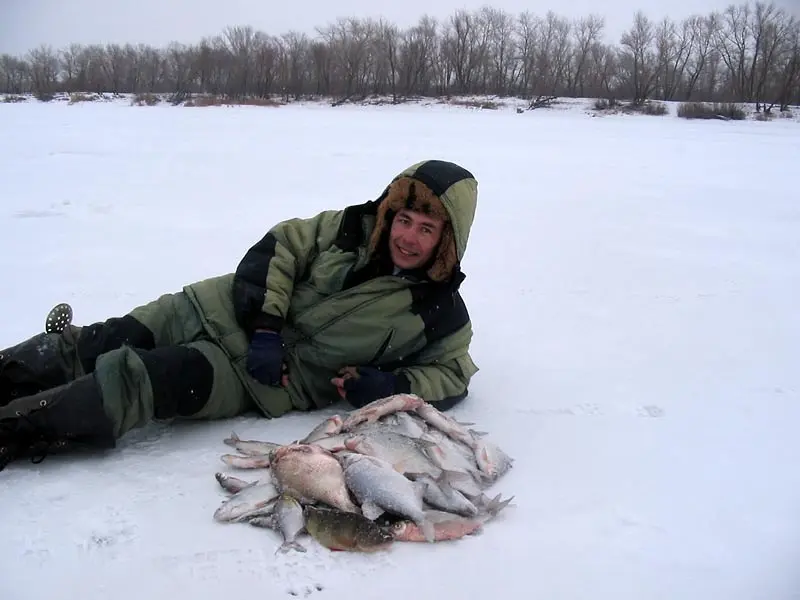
{"x": 633, "y": 286}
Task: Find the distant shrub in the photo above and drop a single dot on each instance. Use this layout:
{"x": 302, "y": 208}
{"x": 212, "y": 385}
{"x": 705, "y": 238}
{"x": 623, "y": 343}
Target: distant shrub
{"x": 656, "y": 109}
{"x": 605, "y": 104}
{"x": 764, "y": 116}
{"x": 145, "y": 99}
{"x": 212, "y": 100}
{"x": 482, "y": 104}
{"x": 705, "y": 110}
{"x": 45, "y": 96}
{"x": 76, "y": 97}
{"x": 12, "y": 99}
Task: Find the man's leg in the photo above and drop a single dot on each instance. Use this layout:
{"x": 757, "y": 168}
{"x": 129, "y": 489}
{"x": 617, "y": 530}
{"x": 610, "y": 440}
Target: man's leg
{"x": 192, "y": 381}
{"x": 127, "y": 389}
{"x": 66, "y": 352}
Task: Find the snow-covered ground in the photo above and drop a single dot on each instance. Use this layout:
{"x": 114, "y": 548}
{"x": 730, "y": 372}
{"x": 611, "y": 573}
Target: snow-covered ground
{"x": 633, "y": 283}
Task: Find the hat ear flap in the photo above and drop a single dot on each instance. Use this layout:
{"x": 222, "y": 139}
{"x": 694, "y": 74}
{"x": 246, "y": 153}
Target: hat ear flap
{"x": 446, "y": 256}
{"x": 383, "y": 220}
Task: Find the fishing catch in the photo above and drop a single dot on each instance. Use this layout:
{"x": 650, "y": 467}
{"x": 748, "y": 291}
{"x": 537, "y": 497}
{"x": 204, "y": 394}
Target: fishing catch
{"x": 395, "y": 470}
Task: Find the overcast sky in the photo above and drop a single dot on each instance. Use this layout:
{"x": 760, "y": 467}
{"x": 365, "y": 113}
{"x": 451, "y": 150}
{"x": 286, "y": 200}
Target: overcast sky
{"x": 25, "y": 24}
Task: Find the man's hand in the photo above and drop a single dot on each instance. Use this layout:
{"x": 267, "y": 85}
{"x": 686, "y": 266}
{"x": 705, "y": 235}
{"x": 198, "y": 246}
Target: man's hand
{"x": 265, "y": 358}
{"x": 362, "y": 385}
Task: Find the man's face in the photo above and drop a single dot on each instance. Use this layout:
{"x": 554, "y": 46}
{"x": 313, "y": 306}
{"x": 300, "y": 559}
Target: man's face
{"x": 413, "y": 238}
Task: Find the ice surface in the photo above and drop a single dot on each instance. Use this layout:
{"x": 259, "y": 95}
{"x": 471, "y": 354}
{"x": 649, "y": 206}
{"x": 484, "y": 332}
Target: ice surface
{"x": 633, "y": 283}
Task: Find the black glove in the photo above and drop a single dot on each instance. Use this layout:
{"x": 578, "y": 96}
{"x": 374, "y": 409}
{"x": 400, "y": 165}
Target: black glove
{"x": 265, "y": 357}
{"x": 368, "y": 385}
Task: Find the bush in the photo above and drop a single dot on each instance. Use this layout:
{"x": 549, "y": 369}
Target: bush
{"x": 12, "y": 99}
{"x": 212, "y": 100}
{"x": 656, "y": 109}
{"x": 605, "y": 104}
{"x": 718, "y": 110}
{"x": 470, "y": 103}
{"x": 146, "y": 99}
{"x": 81, "y": 97}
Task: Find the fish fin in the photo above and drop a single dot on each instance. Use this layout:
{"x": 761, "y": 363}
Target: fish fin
{"x": 287, "y": 546}
{"x": 265, "y": 521}
{"x": 428, "y": 529}
{"x": 425, "y": 443}
{"x": 420, "y": 489}
{"x": 453, "y": 478}
{"x": 232, "y": 440}
{"x": 477, "y": 433}
{"x": 371, "y": 510}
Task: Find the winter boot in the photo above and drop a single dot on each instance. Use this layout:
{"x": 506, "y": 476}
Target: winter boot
{"x": 38, "y": 363}
{"x": 55, "y": 420}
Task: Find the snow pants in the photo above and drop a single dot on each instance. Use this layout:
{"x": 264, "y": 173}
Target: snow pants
{"x": 155, "y": 363}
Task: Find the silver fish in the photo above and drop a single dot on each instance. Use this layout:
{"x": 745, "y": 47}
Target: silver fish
{"x": 250, "y": 447}
{"x": 231, "y": 484}
{"x": 379, "y": 488}
{"x": 404, "y": 453}
{"x": 246, "y": 462}
{"x": 330, "y": 426}
{"x": 287, "y": 517}
{"x": 250, "y": 501}
{"x": 380, "y": 408}
{"x": 441, "y": 494}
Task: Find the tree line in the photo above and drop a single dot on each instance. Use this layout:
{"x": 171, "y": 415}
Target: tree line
{"x": 749, "y": 52}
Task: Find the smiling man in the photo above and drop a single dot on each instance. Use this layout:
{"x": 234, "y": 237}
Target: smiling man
{"x": 358, "y": 303}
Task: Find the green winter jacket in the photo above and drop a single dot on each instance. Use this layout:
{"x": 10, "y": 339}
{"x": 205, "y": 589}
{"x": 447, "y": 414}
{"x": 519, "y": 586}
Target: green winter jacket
{"x": 336, "y": 305}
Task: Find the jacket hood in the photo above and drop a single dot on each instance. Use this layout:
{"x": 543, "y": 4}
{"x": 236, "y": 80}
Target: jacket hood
{"x": 436, "y": 187}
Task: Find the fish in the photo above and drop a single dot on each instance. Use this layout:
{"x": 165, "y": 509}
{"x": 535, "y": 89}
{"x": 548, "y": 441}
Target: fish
{"x": 311, "y": 474}
{"x": 249, "y": 501}
{"x": 250, "y": 447}
{"x": 404, "y": 453}
{"x": 332, "y": 443}
{"x": 446, "y": 424}
{"x": 440, "y": 493}
{"x": 246, "y": 462}
{"x": 288, "y": 518}
{"x": 379, "y": 488}
{"x": 345, "y": 531}
{"x": 330, "y": 426}
{"x": 446, "y": 525}
{"x": 491, "y": 460}
{"x": 381, "y": 407}
{"x": 231, "y": 484}
{"x": 345, "y": 482}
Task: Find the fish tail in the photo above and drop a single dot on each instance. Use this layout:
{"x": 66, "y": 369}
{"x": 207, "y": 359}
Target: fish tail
{"x": 290, "y": 545}
{"x": 232, "y": 440}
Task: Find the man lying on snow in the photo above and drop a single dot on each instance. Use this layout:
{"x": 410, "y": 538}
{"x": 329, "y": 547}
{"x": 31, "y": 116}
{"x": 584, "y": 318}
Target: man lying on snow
{"x": 360, "y": 303}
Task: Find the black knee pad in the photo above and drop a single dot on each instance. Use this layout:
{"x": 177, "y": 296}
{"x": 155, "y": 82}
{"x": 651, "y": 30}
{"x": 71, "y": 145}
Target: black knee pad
{"x": 181, "y": 379}
{"x": 99, "y": 338}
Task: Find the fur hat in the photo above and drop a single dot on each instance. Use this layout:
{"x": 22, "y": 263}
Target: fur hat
{"x": 411, "y": 194}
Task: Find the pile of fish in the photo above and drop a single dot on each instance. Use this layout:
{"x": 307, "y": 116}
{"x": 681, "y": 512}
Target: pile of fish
{"x": 397, "y": 469}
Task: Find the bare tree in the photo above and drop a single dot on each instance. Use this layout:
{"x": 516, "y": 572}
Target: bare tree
{"x": 587, "y": 33}
{"x": 704, "y": 30}
{"x": 637, "y": 58}
{"x": 750, "y": 52}
{"x": 44, "y": 69}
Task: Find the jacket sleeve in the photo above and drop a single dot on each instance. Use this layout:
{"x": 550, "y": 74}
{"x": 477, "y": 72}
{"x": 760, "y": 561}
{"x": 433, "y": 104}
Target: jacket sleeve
{"x": 265, "y": 277}
{"x": 441, "y": 372}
